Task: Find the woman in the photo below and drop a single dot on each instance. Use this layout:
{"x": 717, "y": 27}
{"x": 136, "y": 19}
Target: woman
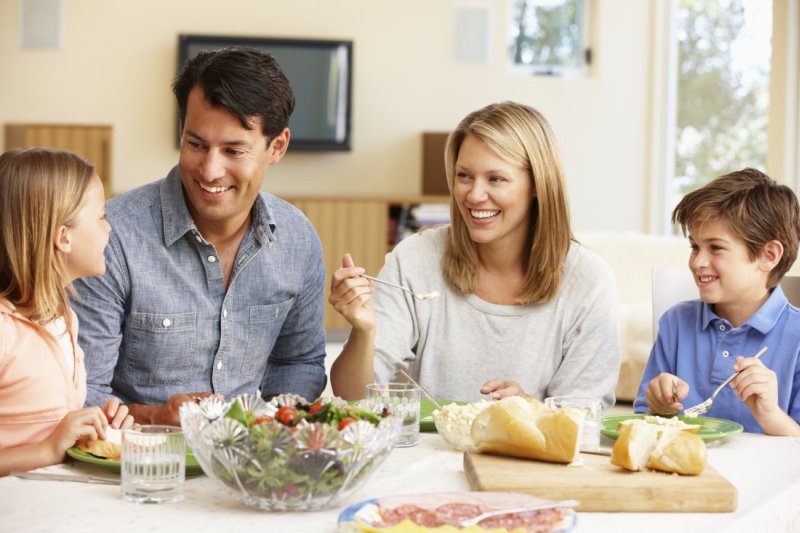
{"x": 520, "y": 299}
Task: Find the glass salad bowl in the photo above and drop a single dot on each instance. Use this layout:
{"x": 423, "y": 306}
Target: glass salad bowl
{"x": 286, "y": 454}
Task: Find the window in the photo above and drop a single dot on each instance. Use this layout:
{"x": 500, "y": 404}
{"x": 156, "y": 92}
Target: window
{"x": 722, "y": 88}
{"x": 548, "y": 37}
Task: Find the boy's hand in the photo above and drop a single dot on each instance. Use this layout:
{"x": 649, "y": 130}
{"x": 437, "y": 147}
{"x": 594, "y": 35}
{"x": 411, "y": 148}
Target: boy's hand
{"x": 664, "y": 394}
{"x": 756, "y": 386}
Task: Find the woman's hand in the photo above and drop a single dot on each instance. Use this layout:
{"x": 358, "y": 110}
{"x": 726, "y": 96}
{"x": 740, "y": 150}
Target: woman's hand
{"x": 88, "y": 422}
{"x": 664, "y": 394}
{"x": 499, "y": 388}
{"x": 351, "y": 295}
{"x": 117, "y": 414}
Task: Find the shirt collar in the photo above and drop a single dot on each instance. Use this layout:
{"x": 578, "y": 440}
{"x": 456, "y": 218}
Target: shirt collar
{"x": 763, "y": 320}
{"x": 178, "y": 221}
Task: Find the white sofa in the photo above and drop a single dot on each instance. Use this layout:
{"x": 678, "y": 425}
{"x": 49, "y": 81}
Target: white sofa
{"x": 632, "y": 256}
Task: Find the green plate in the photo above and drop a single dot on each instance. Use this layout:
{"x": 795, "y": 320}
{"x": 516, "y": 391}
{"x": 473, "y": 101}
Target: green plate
{"x": 192, "y": 466}
{"x": 426, "y": 409}
{"x": 710, "y": 428}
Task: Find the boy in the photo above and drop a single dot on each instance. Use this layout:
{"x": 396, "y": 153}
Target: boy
{"x": 744, "y": 230}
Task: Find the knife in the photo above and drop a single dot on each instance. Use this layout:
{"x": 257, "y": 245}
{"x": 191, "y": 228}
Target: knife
{"x": 65, "y": 477}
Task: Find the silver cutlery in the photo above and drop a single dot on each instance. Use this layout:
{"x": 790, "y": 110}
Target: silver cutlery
{"x": 425, "y": 296}
{"x": 538, "y": 507}
{"x": 703, "y": 407}
{"x": 47, "y": 476}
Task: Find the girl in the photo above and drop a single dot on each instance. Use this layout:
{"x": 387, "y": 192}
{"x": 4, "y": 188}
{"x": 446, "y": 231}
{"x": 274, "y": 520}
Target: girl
{"x": 520, "y": 298}
{"x": 52, "y": 231}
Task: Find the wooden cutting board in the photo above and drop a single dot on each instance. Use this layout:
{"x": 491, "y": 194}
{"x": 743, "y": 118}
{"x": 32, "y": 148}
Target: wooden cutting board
{"x": 600, "y": 486}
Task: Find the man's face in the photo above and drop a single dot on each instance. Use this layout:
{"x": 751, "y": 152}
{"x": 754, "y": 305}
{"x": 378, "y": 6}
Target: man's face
{"x": 222, "y": 164}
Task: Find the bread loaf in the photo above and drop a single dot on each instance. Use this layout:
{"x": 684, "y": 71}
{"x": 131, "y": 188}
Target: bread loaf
{"x": 643, "y": 444}
{"x": 525, "y": 428}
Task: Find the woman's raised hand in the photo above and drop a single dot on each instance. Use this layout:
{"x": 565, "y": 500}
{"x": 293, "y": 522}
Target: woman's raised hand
{"x": 351, "y": 295}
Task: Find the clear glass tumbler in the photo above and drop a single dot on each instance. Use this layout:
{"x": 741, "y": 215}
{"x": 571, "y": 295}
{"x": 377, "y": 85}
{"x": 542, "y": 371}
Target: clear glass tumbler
{"x": 590, "y": 436}
{"x": 153, "y": 464}
{"x": 402, "y": 399}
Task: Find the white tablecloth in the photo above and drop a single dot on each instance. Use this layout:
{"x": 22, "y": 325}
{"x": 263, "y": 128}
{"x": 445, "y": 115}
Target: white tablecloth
{"x": 765, "y": 471}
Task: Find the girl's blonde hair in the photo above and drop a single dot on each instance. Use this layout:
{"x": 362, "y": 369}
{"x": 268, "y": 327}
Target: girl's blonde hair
{"x": 40, "y": 189}
{"x": 520, "y": 135}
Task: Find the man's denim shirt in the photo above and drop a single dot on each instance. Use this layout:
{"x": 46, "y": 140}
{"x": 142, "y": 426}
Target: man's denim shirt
{"x": 160, "y": 321}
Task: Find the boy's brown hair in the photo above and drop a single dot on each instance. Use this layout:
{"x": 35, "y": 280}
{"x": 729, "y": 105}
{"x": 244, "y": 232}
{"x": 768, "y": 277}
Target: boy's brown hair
{"x": 756, "y": 209}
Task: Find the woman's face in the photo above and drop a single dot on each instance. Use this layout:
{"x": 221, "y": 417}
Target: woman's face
{"x": 492, "y": 195}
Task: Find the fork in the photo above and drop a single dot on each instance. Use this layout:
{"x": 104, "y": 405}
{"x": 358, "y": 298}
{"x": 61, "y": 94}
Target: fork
{"x": 703, "y": 407}
{"x": 536, "y": 507}
{"x": 425, "y": 296}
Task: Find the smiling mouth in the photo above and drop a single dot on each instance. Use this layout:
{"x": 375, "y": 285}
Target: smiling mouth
{"x": 483, "y": 214}
{"x": 706, "y": 279}
{"x": 212, "y": 190}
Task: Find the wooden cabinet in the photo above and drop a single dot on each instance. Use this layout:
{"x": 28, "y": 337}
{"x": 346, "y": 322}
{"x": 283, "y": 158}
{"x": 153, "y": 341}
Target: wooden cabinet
{"x": 364, "y": 227}
{"x": 92, "y": 142}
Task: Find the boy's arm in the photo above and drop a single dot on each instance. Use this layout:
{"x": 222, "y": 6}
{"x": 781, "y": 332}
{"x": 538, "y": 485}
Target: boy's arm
{"x": 757, "y": 387}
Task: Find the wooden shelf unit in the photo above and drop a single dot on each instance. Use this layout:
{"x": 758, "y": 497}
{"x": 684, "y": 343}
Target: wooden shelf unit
{"x": 91, "y": 141}
{"x": 359, "y": 226}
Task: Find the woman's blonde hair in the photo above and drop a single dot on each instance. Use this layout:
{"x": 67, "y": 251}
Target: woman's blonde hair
{"x": 520, "y": 135}
{"x": 40, "y": 189}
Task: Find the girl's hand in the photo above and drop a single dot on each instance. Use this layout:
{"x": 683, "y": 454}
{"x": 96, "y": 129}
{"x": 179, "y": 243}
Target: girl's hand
{"x": 89, "y": 422}
{"x": 117, "y": 414}
{"x": 664, "y": 394}
{"x": 351, "y": 295}
{"x": 756, "y": 386}
{"x": 499, "y": 388}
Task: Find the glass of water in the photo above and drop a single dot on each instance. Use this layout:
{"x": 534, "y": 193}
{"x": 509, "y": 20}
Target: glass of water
{"x": 593, "y": 407}
{"x": 153, "y": 464}
{"x": 403, "y": 400}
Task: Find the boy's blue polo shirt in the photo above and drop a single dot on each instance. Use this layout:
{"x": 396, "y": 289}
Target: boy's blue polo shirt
{"x": 700, "y": 348}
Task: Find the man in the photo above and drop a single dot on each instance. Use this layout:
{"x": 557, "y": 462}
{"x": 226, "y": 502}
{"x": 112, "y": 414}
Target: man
{"x": 211, "y": 286}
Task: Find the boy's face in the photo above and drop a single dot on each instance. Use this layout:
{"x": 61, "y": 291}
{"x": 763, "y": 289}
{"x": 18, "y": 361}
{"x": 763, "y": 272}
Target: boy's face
{"x": 724, "y": 272}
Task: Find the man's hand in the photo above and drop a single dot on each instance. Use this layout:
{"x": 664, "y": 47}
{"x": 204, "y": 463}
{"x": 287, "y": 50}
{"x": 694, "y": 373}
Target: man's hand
{"x": 166, "y": 414}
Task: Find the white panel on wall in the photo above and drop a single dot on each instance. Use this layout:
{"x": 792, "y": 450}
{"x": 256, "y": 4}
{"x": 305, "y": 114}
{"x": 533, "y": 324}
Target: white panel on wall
{"x": 42, "y": 24}
{"x": 472, "y": 32}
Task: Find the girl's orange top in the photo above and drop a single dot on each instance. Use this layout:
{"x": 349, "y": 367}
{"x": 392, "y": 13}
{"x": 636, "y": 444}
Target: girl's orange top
{"x": 36, "y": 389}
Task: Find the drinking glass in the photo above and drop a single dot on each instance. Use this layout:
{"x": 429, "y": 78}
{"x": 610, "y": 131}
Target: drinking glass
{"x": 402, "y": 399}
{"x": 590, "y": 436}
{"x": 153, "y": 464}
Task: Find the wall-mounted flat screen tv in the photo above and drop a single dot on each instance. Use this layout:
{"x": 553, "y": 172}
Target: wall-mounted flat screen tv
{"x": 320, "y": 72}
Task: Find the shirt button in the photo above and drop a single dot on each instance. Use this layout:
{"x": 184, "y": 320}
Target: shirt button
{"x": 224, "y": 313}
{"x": 212, "y": 259}
{"x": 219, "y": 365}
{"x": 166, "y": 323}
{"x": 725, "y": 353}
{"x": 198, "y": 239}
{"x": 722, "y": 327}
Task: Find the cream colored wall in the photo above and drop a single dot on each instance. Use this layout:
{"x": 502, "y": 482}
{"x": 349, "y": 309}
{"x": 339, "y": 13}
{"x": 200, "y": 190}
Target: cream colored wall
{"x": 119, "y": 58}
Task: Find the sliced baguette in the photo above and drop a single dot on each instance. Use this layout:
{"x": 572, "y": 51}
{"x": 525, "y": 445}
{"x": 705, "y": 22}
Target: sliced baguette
{"x": 642, "y": 444}
{"x": 526, "y": 428}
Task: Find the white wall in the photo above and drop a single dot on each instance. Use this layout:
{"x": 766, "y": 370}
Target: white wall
{"x": 120, "y": 56}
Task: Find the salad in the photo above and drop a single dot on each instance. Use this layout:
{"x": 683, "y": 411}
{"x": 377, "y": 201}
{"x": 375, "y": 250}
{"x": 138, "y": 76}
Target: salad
{"x": 291, "y": 454}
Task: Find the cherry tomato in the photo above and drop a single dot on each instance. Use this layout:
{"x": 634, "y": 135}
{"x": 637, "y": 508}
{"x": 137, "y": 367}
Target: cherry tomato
{"x": 316, "y": 406}
{"x": 286, "y": 415}
{"x": 346, "y": 422}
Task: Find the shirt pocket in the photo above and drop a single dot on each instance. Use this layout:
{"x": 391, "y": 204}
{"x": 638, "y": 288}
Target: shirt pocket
{"x": 263, "y": 328}
{"x": 160, "y": 347}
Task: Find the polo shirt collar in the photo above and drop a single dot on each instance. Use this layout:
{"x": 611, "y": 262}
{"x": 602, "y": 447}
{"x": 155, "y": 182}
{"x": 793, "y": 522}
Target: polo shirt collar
{"x": 763, "y": 320}
{"x": 178, "y": 221}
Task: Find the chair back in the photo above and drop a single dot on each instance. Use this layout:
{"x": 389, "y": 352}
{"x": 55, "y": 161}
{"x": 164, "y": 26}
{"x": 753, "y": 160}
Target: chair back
{"x": 672, "y": 285}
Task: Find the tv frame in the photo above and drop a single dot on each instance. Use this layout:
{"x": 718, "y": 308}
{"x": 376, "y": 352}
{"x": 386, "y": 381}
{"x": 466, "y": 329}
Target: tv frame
{"x": 215, "y": 42}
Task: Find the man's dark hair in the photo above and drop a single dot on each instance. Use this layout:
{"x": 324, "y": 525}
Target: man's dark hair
{"x": 246, "y": 81}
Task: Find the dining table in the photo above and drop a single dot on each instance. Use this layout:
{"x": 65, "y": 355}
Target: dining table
{"x": 765, "y": 471}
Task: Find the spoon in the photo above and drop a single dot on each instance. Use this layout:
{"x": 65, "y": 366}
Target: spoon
{"x": 425, "y": 296}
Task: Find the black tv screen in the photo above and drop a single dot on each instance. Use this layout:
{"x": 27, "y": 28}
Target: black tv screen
{"x": 320, "y": 72}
